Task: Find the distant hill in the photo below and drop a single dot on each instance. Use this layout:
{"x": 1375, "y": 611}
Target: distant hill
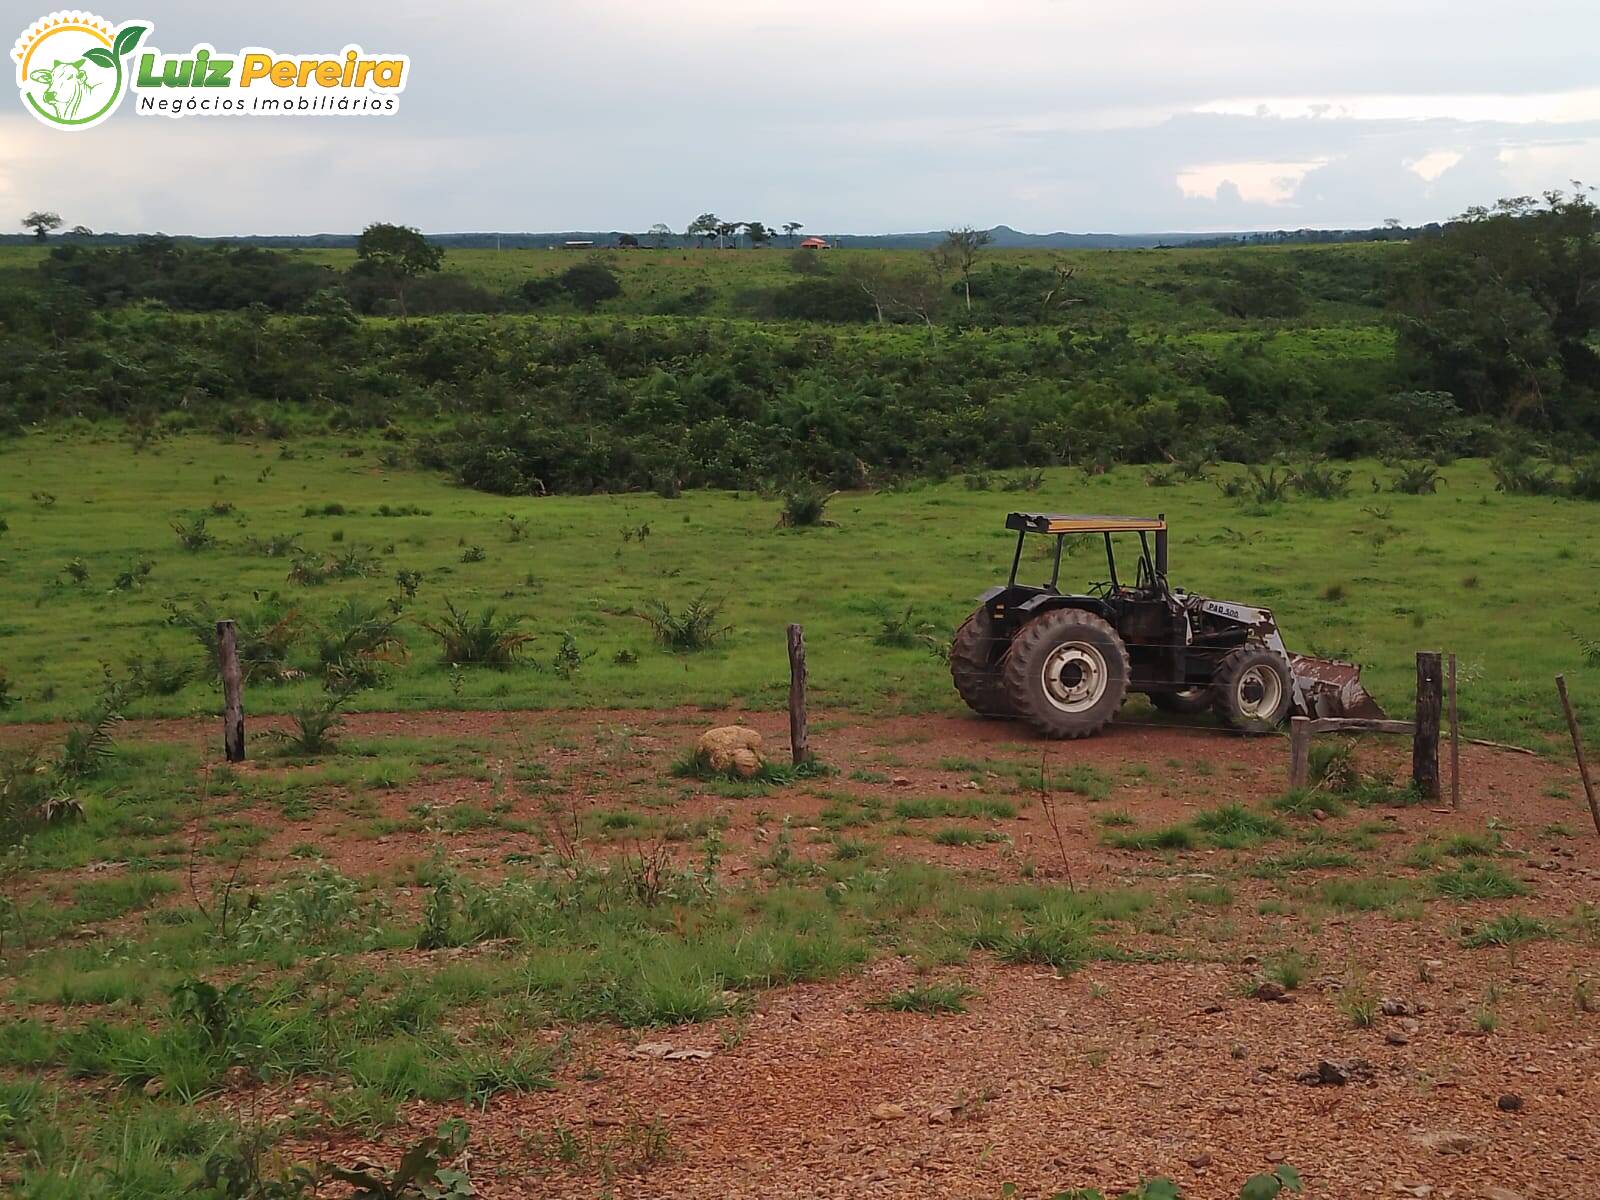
{"x": 1004, "y": 237}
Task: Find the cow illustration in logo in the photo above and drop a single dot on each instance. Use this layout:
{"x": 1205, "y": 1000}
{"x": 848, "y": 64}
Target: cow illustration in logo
{"x": 70, "y": 67}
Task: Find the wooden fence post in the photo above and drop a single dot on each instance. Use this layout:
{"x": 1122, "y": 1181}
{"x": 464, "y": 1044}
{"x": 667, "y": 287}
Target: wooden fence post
{"x": 1425, "y": 741}
{"x": 1299, "y": 751}
{"x": 232, "y": 692}
{"x": 1577, "y": 749}
{"x": 798, "y": 741}
{"x": 1455, "y": 740}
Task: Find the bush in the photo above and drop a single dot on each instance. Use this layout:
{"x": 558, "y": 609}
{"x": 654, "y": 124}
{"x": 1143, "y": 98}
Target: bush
{"x": 264, "y": 635}
{"x": 193, "y": 535}
{"x": 695, "y": 628}
{"x": 314, "y": 725}
{"x": 1518, "y": 475}
{"x": 355, "y": 641}
{"x": 483, "y": 639}
{"x": 590, "y": 283}
{"x": 804, "y": 505}
{"x": 1322, "y": 482}
{"x": 1417, "y": 479}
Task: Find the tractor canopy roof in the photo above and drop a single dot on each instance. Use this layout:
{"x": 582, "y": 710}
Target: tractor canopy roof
{"x": 1081, "y": 523}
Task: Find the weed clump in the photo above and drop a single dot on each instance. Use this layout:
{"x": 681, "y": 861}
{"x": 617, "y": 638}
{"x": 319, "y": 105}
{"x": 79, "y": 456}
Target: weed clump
{"x": 695, "y": 627}
{"x": 482, "y": 639}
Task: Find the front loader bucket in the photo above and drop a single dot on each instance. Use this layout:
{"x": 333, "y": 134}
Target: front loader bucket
{"x": 1326, "y": 687}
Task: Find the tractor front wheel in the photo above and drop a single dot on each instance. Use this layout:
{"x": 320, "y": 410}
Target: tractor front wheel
{"x": 1066, "y": 673}
{"x": 975, "y": 656}
{"x": 1253, "y": 690}
{"x": 1189, "y": 702}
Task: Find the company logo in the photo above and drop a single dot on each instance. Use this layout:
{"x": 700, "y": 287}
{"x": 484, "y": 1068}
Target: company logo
{"x": 73, "y": 69}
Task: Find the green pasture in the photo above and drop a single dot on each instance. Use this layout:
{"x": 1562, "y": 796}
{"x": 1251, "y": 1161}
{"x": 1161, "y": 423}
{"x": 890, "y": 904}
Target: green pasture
{"x": 1505, "y": 582}
{"x": 1152, "y": 289}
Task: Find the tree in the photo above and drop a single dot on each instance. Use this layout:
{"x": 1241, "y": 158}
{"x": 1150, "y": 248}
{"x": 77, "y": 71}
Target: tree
{"x": 398, "y": 254}
{"x": 959, "y": 252}
{"x": 1501, "y": 307}
{"x": 727, "y": 229}
{"x": 627, "y": 241}
{"x": 704, "y": 226}
{"x": 80, "y": 231}
{"x": 660, "y": 234}
{"x": 757, "y": 232}
{"x": 791, "y": 228}
{"x": 42, "y": 223}
{"x": 588, "y": 283}
{"x": 915, "y": 292}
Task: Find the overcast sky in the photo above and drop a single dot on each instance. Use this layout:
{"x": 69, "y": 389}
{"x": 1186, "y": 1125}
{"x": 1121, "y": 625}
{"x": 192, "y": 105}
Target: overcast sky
{"x": 867, "y": 116}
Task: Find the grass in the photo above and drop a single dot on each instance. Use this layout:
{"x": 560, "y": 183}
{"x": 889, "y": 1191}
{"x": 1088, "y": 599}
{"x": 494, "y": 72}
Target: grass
{"x": 927, "y": 998}
{"x": 1234, "y": 827}
{"x": 1167, "y": 837}
{"x": 973, "y": 807}
{"x": 1477, "y": 881}
{"x": 1508, "y": 930}
{"x": 114, "y": 507}
{"x": 1371, "y": 894}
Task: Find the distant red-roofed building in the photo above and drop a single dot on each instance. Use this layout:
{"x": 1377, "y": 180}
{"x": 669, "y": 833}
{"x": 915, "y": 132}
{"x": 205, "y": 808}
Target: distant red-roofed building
{"x": 815, "y": 243}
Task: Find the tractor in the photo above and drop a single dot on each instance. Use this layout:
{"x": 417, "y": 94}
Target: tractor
{"x": 1064, "y": 662}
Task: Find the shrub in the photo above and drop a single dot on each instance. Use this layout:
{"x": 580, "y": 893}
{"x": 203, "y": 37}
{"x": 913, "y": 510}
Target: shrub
{"x": 902, "y": 631}
{"x": 482, "y": 639}
{"x": 1518, "y": 475}
{"x": 264, "y": 635}
{"x": 314, "y": 725}
{"x": 159, "y": 675}
{"x": 355, "y": 641}
{"x": 1265, "y": 487}
{"x": 804, "y": 504}
{"x": 193, "y": 535}
{"x": 89, "y": 744}
{"x": 1417, "y": 479}
{"x": 1585, "y": 481}
{"x": 1321, "y": 482}
{"x": 694, "y": 628}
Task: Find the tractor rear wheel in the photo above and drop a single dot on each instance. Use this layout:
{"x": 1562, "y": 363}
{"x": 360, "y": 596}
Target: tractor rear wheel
{"x": 975, "y": 656}
{"x": 1189, "y": 701}
{"x": 1066, "y": 673}
{"x": 1253, "y": 690}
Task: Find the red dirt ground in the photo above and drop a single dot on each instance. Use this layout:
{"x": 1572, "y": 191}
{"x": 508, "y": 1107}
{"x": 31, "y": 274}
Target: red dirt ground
{"x": 1094, "y": 1079}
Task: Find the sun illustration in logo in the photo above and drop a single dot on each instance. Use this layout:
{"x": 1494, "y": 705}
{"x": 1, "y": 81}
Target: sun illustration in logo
{"x": 70, "y": 67}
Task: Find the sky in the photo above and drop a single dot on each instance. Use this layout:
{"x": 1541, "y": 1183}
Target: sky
{"x": 853, "y": 116}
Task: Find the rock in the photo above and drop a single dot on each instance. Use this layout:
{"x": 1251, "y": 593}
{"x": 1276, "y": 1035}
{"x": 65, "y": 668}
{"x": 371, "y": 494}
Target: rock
{"x": 238, "y": 1077}
{"x": 1200, "y": 1161}
{"x": 1273, "y": 992}
{"x": 653, "y": 1049}
{"x": 1446, "y": 1141}
{"x": 1318, "y": 815}
{"x": 901, "y": 781}
{"x": 889, "y": 1112}
{"x": 154, "y": 1087}
{"x": 1421, "y": 1190}
{"x": 734, "y": 748}
{"x": 1500, "y": 1193}
{"x": 1510, "y": 1102}
{"x": 1391, "y": 1007}
{"x": 1328, "y": 1073}
{"x": 1395, "y": 1038}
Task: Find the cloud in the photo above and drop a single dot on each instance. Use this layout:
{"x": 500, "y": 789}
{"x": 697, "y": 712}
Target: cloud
{"x": 894, "y": 115}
